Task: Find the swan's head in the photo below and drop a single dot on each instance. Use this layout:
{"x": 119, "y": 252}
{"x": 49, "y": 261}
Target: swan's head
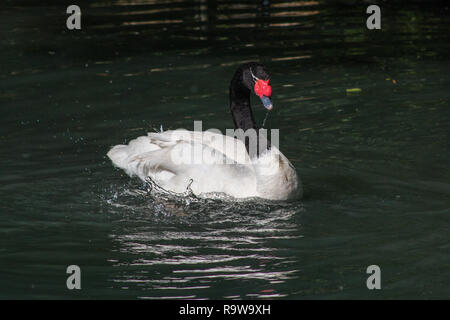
{"x": 258, "y": 80}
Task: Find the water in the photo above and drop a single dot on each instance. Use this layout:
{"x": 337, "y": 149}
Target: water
{"x": 374, "y": 162}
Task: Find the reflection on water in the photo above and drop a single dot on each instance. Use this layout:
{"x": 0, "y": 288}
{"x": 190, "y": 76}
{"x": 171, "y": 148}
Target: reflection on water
{"x": 189, "y": 244}
{"x": 363, "y": 116}
{"x": 200, "y": 16}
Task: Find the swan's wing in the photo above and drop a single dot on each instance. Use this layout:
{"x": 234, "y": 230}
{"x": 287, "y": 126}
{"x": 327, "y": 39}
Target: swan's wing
{"x": 178, "y": 158}
{"x": 175, "y": 153}
{"x": 120, "y": 155}
{"x": 172, "y": 164}
{"x": 233, "y": 149}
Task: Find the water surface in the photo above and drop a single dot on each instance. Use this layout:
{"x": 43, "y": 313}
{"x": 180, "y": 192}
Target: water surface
{"x": 374, "y": 163}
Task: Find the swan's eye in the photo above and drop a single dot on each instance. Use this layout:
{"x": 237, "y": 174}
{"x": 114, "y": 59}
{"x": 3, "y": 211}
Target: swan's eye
{"x": 263, "y": 88}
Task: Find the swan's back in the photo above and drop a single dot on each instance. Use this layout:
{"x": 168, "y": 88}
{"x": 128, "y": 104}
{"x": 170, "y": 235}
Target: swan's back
{"x": 214, "y": 163}
{"x": 211, "y": 161}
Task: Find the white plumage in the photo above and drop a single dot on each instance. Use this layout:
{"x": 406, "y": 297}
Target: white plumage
{"x": 214, "y": 162}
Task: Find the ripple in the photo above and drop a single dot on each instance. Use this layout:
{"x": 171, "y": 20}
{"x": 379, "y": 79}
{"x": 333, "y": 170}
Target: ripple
{"x": 198, "y": 242}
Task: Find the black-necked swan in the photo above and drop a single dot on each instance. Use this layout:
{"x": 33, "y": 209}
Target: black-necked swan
{"x": 210, "y": 162}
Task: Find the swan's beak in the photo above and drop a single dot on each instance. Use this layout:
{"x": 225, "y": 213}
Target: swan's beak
{"x": 267, "y": 102}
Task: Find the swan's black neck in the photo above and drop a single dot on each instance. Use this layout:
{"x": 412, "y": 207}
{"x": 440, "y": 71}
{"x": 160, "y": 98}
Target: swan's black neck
{"x": 240, "y": 104}
{"x": 241, "y": 87}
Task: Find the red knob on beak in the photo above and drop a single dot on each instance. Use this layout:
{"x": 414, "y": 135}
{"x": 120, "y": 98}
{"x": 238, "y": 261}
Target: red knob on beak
{"x": 263, "y": 88}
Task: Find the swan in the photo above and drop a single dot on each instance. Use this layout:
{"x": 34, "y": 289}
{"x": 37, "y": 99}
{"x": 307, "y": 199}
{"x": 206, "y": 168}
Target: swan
{"x": 209, "y": 162}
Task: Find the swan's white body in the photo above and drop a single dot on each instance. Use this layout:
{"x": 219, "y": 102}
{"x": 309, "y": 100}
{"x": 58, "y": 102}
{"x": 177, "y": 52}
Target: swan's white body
{"x": 212, "y": 162}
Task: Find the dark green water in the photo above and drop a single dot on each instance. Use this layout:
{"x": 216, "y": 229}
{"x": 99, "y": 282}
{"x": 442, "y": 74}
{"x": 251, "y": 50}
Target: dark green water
{"x": 375, "y": 163}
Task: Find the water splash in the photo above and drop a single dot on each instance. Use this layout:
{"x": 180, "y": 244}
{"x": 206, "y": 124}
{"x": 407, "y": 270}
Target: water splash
{"x": 154, "y": 201}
